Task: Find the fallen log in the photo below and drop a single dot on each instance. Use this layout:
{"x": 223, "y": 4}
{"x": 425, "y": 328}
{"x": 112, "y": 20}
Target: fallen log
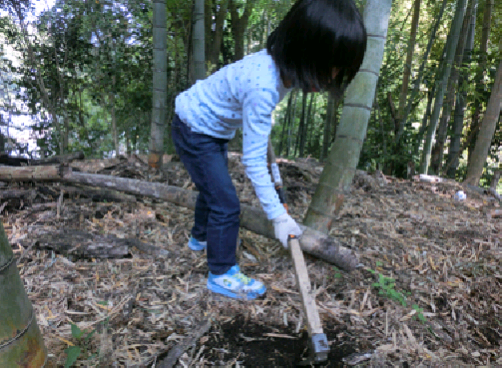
{"x": 312, "y": 242}
{"x": 17, "y": 194}
{"x": 13, "y": 161}
{"x": 28, "y": 173}
{"x": 87, "y": 245}
{"x": 69, "y": 157}
{"x": 100, "y": 195}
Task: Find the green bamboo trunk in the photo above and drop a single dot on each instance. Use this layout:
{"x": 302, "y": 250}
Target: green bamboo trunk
{"x": 485, "y": 136}
{"x": 461, "y": 98}
{"x": 418, "y": 81}
{"x": 159, "y": 93}
{"x": 199, "y": 57}
{"x": 342, "y": 161}
{"x": 443, "y": 80}
{"x": 21, "y": 343}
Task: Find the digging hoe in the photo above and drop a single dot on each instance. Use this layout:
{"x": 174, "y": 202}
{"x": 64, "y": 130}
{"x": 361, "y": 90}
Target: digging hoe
{"x": 319, "y": 347}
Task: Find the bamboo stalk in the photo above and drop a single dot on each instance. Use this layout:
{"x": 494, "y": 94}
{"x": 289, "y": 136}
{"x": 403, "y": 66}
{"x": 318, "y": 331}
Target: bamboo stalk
{"x": 21, "y": 343}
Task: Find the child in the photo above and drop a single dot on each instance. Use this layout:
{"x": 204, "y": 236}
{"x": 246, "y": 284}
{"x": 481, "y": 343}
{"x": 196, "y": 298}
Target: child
{"x": 318, "y": 46}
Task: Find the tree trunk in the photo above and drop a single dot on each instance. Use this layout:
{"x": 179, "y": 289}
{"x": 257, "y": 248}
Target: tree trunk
{"x": 51, "y": 108}
{"x": 21, "y": 343}
{"x": 291, "y": 124}
{"x": 340, "y": 168}
{"x": 442, "y": 81}
{"x": 198, "y": 41}
{"x": 114, "y": 123}
{"x": 285, "y": 123}
{"x": 159, "y": 95}
{"x": 214, "y": 50}
{"x": 409, "y": 60}
{"x": 239, "y": 25}
{"x": 423, "y": 126}
{"x": 458, "y": 120}
{"x": 309, "y": 126}
{"x": 480, "y": 87}
{"x": 438, "y": 150}
{"x": 330, "y": 120}
{"x": 485, "y": 136}
{"x": 302, "y": 130}
{"x": 381, "y": 125}
{"x": 418, "y": 81}
{"x": 311, "y": 132}
{"x": 66, "y": 131}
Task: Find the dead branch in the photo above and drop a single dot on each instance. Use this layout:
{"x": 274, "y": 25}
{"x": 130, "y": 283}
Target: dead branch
{"x": 17, "y": 193}
{"x": 88, "y": 245}
{"x": 188, "y": 342}
{"x": 59, "y": 159}
{"x": 100, "y": 195}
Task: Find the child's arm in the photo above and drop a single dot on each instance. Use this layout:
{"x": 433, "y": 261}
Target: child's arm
{"x": 257, "y": 124}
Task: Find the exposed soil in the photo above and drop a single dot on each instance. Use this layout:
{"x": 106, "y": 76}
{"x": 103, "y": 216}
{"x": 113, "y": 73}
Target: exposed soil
{"x": 253, "y": 344}
{"x": 427, "y": 292}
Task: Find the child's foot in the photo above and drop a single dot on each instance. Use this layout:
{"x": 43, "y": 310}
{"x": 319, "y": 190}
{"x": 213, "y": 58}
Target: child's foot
{"x": 235, "y": 284}
{"x": 196, "y": 245}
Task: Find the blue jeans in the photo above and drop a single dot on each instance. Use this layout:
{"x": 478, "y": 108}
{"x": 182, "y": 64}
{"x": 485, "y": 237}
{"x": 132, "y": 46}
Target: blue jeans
{"x": 217, "y": 208}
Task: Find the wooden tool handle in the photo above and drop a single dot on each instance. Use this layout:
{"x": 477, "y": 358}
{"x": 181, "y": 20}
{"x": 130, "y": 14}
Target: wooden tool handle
{"x": 302, "y": 278}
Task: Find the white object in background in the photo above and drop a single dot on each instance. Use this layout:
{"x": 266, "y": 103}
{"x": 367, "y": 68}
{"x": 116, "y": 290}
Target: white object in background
{"x": 460, "y": 196}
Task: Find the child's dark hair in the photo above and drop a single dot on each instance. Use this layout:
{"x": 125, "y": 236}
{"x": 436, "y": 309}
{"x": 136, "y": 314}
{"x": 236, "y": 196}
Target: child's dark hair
{"x": 315, "y": 37}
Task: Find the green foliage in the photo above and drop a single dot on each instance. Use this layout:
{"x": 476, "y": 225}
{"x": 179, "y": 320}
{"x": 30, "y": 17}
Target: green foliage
{"x": 419, "y": 314}
{"x": 338, "y": 274}
{"x": 386, "y": 287}
{"x": 73, "y": 353}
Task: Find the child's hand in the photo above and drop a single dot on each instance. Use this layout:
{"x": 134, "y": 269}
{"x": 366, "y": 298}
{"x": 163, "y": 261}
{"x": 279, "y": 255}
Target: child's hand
{"x": 284, "y": 225}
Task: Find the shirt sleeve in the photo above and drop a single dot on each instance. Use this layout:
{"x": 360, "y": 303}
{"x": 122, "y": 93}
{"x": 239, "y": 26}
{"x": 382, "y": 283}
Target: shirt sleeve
{"x": 258, "y": 106}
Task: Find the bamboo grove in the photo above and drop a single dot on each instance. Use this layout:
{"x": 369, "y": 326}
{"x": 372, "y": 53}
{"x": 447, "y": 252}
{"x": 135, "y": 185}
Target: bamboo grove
{"x": 82, "y": 71}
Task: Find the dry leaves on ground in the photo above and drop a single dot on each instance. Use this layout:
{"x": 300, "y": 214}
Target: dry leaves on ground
{"x": 427, "y": 292}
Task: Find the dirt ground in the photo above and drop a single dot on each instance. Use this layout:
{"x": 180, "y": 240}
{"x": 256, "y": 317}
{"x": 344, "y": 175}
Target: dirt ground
{"x": 427, "y": 291}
